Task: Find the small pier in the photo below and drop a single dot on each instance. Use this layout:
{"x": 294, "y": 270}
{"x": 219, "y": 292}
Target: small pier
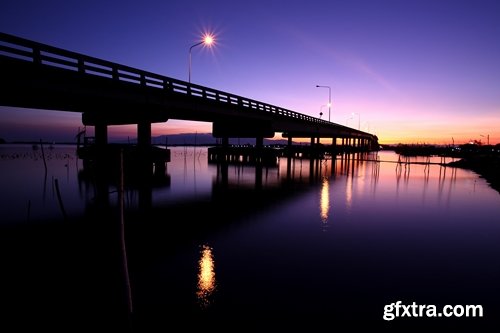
{"x": 249, "y": 155}
{"x": 138, "y": 161}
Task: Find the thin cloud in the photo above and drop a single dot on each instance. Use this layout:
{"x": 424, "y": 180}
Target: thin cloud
{"x": 352, "y": 61}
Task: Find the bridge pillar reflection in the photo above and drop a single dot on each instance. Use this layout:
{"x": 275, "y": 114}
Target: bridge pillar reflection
{"x": 259, "y": 142}
{"x": 334, "y": 146}
{"x": 289, "y": 167}
{"x": 258, "y": 176}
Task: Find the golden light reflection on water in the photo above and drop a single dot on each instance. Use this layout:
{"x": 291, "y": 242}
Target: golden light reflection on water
{"x": 325, "y": 200}
{"x": 348, "y": 193}
{"x": 206, "y": 276}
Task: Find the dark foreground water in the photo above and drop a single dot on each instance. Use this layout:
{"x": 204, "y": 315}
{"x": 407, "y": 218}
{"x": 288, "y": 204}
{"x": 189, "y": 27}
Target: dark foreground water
{"x": 322, "y": 245}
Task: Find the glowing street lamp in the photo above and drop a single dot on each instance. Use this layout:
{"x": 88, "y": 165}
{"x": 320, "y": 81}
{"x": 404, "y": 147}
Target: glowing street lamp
{"x": 329, "y": 99}
{"x": 208, "y": 40}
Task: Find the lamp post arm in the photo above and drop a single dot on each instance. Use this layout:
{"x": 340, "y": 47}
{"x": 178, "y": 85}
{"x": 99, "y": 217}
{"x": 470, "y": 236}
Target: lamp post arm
{"x": 329, "y": 99}
{"x": 195, "y": 45}
{"x": 189, "y": 76}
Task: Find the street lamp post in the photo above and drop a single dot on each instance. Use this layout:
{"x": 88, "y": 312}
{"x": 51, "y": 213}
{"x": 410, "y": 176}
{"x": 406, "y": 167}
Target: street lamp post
{"x": 321, "y": 111}
{"x": 207, "y": 40}
{"x": 488, "y": 139}
{"x": 329, "y": 99}
{"x": 359, "y": 119}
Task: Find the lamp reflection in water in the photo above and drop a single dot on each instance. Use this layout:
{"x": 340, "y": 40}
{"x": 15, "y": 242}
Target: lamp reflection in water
{"x": 206, "y": 276}
{"x": 348, "y": 193}
{"x": 325, "y": 200}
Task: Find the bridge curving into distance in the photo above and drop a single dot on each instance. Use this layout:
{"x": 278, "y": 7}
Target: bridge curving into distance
{"x": 40, "y": 76}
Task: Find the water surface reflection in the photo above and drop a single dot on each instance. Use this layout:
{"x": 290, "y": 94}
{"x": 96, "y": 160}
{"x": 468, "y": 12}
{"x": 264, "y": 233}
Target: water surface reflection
{"x": 418, "y": 232}
{"x": 325, "y": 200}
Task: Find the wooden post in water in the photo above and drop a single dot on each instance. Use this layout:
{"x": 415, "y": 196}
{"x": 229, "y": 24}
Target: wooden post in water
{"x": 59, "y": 199}
{"x": 43, "y": 156}
{"x": 122, "y": 237}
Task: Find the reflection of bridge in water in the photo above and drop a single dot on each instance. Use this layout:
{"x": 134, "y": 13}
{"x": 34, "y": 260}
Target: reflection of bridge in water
{"x": 237, "y": 181}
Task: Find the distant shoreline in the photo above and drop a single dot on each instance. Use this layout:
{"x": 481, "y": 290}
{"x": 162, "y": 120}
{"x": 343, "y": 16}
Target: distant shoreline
{"x": 486, "y": 166}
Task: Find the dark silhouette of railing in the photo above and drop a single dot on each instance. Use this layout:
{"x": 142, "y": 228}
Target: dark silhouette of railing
{"x": 46, "y": 55}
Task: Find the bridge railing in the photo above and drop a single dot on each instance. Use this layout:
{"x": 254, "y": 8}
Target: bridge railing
{"x": 42, "y": 54}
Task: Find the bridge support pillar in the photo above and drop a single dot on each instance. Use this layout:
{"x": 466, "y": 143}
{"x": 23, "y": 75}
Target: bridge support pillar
{"x": 145, "y": 165}
{"x": 334, "y": 146}
{"x": 144, "y": 134}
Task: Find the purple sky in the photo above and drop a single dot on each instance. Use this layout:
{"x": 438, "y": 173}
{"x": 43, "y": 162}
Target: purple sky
{"x": 410, "y": 71}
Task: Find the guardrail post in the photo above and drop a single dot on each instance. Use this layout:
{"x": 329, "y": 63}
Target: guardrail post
{"x": 81, "y": 66}
{"x": 166, "y": 85}
{"x": 37, "y": 57}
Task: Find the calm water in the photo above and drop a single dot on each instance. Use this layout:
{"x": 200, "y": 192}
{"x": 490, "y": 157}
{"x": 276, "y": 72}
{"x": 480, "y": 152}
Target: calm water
{"x": 323, "y": 243}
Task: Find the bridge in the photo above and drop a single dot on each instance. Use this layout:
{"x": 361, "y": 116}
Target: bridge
{"x": 40, "y": 76}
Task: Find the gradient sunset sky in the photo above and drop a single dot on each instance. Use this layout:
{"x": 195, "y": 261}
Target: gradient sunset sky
{"x": 422, "y": 71}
